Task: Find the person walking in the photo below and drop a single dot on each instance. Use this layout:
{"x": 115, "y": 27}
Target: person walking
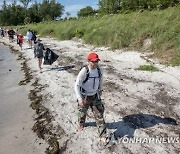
{"x": 88, "y": 89}
{"x": 20, "y": 40}
{"x": 11, "y": 34}
{"x": 38, "y": 52}
{"x": 1, "y": 32}
{"x": 17, "y": 34}
{"x": 29, "y": 36}
{"x": 33, "y": 39}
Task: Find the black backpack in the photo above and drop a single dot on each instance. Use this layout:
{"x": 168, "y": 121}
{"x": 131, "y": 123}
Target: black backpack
{"x": 38, "y": 50}
{"x": 33, "y": 37}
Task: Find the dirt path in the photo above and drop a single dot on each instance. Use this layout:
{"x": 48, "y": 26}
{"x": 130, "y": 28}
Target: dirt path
{"x": 138, "y": 104}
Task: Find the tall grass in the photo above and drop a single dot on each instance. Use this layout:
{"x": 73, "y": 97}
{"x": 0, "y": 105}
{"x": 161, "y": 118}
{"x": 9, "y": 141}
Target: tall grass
{"x": 150, "y": 68}
{"x": 123, "y": 31}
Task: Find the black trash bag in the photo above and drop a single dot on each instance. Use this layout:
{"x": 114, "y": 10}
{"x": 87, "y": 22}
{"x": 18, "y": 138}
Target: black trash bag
{"x": 50, "y": 57}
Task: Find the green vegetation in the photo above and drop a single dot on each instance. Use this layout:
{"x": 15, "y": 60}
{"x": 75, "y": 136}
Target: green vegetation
{"x": 116, "y": 6}
{"x": 15, "y": 14}
{"x": 144, "y": 25}
{"x": 123, "y": 31}
{"x": 68, "y": 59}
{"x": 148, "y": 68}
{"x": 87, "y": 11}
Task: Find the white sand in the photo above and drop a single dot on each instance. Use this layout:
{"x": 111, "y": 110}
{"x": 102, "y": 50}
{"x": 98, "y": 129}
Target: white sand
{"x": 154, "y": 95}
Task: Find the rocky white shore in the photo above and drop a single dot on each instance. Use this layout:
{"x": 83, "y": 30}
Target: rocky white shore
{"x": 138, "y": 104}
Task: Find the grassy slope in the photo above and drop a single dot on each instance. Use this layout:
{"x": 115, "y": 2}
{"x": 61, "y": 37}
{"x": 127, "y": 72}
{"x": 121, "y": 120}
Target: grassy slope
{"x": 123, "y": 31}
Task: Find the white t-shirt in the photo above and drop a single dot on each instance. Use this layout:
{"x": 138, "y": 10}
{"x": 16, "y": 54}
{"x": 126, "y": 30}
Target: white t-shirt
{"x": 29, "y": 35}
{"x": 91, "y": 86}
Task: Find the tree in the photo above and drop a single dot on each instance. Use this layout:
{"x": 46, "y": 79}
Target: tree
{"x": 33, "y": 13}
{"x": 87, "y": 11}
{"x": 50, "y": 10}
{"x": 25, "y": 3}
{"x": 11, "y": 14}
{"x": 14, "y": 14}
{"x": 4, "y": 14}
{"x": 147, "y": 4}
{"x": 109, "y": 6}
{"x": 4, "y": 6}
{"x": 114, "y": 6}
{"x": 56, "y": 9}
{"x": 68, "y": 14}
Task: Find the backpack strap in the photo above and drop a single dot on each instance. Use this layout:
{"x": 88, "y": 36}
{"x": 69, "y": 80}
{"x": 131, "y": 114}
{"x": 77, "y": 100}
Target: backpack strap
{"x": 100, "y": 76}
{"x": 87, "y": 74}
{"x": 99, "y": 72}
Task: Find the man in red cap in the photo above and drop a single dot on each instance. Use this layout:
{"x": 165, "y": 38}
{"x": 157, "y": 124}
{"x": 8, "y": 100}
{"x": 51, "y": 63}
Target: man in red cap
{"x": 88, "y": 88}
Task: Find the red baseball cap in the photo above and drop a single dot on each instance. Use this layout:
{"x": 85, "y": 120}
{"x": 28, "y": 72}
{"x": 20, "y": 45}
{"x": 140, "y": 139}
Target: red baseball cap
{"x": 93, "y": 57}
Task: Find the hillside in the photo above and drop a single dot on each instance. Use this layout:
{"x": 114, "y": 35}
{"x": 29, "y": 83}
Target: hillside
{"x": 150, "y": 31}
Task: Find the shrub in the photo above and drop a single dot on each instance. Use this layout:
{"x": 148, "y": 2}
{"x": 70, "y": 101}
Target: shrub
{"x": 78, "y": 33}
{"x": 147, "y": 68}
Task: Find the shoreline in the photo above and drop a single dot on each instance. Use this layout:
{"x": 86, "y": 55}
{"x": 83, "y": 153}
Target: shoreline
{"x": 16, "y": 115}
{"x": 128, "y": 92}
{"x": 43, "y": 116}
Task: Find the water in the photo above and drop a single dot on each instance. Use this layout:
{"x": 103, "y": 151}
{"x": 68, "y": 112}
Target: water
{"x": 10, "y": 75}
{"x": 16, "y": 119}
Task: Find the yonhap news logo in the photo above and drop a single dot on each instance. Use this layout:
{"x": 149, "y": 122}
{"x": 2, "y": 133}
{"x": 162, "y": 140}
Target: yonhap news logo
{"x": 148, "y": 140}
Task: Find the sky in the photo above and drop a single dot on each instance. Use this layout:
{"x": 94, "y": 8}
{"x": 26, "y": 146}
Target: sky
{"x": 71, "y": 6}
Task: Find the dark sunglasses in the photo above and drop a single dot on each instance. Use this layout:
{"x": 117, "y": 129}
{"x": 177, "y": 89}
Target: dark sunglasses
{"x": 94, "y": 61}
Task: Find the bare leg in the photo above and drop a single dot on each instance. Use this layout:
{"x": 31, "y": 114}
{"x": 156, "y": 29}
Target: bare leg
{"x": 20, "y": 44}
{"x": 30, "y": 43}
{"x": 40, "y": 63}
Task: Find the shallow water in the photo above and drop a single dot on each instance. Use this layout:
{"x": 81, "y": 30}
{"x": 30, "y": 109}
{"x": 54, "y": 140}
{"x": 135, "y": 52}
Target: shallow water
{"x": 10, "y": 75}
{"x": 16, "y": 120}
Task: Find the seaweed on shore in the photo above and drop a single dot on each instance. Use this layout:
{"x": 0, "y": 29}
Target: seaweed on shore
{"x": 27, "y": 72}
{"x": 43, "y": 126}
